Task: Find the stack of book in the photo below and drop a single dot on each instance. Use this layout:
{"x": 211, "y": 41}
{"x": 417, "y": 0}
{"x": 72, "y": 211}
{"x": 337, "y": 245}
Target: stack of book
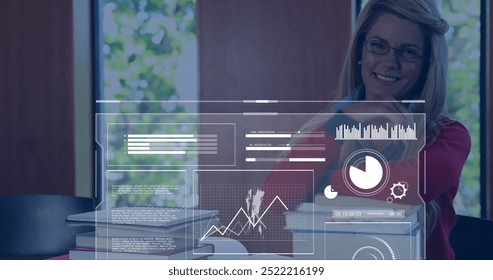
{"x": 143, "y": 233}
{"x": 356, "y": 228}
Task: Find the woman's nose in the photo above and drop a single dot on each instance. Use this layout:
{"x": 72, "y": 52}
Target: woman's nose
{"x": 391, "y": 59}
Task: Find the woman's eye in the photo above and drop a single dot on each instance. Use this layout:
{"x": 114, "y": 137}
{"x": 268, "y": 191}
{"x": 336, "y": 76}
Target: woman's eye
{"x": 380, "y": 46}
{"x": 410, "y": 53}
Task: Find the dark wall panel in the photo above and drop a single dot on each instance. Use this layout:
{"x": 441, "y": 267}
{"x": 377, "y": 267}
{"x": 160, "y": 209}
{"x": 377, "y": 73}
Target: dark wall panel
{"x": 275, "y": 50}
{"x": 36, "y": 97}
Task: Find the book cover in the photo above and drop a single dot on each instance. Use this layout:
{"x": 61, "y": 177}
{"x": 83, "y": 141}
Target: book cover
{"x": 199, "y": 252}
{"x": 143, "y": 216}
{"x": 354, "y": 201}
{"x": 190, "y": 230}
{"x": 145, "y": 245}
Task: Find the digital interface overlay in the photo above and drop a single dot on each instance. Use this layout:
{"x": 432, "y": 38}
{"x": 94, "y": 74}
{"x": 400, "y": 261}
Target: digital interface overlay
{"x": 261, "y": 181}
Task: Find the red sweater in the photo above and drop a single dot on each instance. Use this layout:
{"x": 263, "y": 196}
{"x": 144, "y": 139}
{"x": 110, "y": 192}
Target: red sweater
{"x": 444, "y": 161}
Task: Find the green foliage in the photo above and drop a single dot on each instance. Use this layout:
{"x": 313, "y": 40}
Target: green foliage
{"x": 463, "y": 90}
{"x": 143, "y": 44}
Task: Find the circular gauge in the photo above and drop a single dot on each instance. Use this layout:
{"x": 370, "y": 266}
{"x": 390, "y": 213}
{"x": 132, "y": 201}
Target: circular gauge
{"x": 371, "y": 247}
{"x": 368, "y": 253}
{"x": 366, "y": 172}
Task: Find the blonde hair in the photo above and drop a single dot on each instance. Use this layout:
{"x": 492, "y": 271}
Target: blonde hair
{"x": 431, "y": 86}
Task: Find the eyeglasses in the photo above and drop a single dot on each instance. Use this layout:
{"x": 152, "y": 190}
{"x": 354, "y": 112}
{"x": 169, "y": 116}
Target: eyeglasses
{"x": 381, "y": 48}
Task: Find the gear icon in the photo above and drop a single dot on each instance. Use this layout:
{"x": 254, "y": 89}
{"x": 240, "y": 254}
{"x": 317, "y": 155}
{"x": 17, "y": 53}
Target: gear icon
{"x": 402, "y": 189}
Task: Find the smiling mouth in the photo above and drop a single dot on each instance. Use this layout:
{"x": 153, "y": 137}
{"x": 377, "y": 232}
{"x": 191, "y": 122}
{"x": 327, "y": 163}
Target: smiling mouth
{"x": 387, "y": 78}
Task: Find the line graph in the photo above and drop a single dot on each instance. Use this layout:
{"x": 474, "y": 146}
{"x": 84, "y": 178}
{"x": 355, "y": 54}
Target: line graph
{"x": 253, "y": 221}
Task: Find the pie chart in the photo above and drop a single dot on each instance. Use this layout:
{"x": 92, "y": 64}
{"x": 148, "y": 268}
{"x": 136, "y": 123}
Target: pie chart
{"x": 368, "y": 178}
{"x": 365, "y": 172}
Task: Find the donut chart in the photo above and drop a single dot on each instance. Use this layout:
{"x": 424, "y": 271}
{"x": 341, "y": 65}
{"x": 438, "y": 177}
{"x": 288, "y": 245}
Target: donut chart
{"x": 368, "y": 178}
{"x": 366, "y": 172}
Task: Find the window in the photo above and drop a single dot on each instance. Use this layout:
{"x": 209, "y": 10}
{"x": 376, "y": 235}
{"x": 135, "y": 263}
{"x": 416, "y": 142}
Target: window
{"x": 149, "y": 50}
{"x": 464, "y": 91}
{"x": 148, "y": 53}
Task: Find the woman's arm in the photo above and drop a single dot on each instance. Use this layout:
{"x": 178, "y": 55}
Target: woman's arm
{"x": 293, "y": 187}
{"x": 440, "y": 166}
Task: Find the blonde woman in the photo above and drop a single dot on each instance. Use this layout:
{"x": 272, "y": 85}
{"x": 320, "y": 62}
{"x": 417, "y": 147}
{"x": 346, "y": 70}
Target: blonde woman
{"x": 398, "y": 52}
